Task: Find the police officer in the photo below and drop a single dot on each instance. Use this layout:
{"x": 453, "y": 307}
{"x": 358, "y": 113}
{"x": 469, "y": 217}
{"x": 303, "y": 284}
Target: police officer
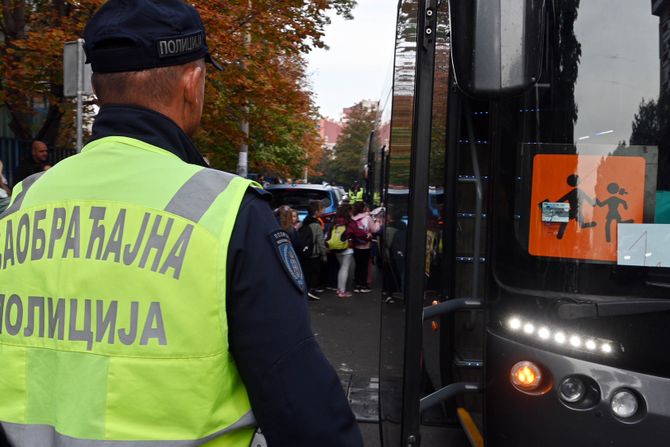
{"x": 356, "y": 193}
{"x": 144, "y": 298}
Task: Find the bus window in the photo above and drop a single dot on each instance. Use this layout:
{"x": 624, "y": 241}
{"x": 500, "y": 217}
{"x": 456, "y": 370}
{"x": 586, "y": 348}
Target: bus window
{"x": 585, "y": 154}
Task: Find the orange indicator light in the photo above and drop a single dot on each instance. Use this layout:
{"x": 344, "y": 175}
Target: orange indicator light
{"x": 526, "y": 376}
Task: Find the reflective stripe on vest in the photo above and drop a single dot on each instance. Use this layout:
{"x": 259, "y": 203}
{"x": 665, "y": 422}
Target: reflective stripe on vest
{"x": 46, "y": 435}
{"x": 113, "y": 325}
{"x": 196, "y": 196}
{"x": 18, "y": 200}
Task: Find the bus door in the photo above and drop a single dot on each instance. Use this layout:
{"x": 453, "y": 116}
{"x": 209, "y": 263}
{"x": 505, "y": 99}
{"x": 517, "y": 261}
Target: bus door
{"x": 435, "y": 256}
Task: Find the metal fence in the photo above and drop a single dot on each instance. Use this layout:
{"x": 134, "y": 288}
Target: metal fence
{"x": 13, "y": 152}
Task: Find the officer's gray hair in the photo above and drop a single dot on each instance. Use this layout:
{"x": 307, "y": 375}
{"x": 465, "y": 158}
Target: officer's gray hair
{"x": 152, "y": 87}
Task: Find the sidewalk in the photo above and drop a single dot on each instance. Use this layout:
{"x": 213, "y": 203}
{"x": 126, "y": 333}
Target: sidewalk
{"x": 348, "y": 332}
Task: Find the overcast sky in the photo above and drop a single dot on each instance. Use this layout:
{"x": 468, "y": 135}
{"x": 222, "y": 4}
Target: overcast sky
{"x": 617, "y": 69}
{"x": 359, "y": 57}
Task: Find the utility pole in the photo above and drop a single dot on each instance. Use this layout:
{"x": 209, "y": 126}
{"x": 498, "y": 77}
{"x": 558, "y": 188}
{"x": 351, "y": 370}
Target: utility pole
{"x": 80, "y": 94}
{"x": 243, "y": 160}
{"x": 76, "y": 82}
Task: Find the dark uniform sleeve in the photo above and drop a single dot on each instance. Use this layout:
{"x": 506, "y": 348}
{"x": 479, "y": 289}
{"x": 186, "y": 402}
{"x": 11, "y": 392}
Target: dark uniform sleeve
{"x": 295, "y": 393}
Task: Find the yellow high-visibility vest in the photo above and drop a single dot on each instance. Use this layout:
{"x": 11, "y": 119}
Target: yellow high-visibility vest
{"x": 113, "y": 322}
{"x": 356, "y": 196}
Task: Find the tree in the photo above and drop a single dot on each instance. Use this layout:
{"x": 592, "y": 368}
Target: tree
{"x": 645, "y": 124}
{"x": 33, "y": 34}
{"x": 264, "y": 81}
{"x": 564, "y": 55}
{"x": 350, "y": 151}
{"x": 651, "y": 127}
{"x": 271, "y": 80}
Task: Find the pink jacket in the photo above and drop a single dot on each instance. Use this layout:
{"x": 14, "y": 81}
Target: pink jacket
{"x": 369, "y": 225}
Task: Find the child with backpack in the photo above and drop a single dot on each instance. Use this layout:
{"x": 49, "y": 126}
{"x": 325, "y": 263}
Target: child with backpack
{"x": 362, "y": 226}
{"x": 338, "y": 242}
{"x": 311, "y": 247}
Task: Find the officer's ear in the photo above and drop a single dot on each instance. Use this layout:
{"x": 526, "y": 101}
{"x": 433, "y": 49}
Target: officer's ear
{"x": 193, "y": 85}
{"x": 193, "y": 79}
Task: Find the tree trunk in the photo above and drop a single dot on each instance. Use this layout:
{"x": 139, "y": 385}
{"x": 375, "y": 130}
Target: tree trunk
{"x": 15, "y": 19}
{"x": 19, "y": 119}
{"x": 49, "y": 131}
{"x": 14, "y": 26}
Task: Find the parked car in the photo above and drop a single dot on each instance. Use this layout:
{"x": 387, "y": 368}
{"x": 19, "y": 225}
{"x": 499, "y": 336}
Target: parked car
{"x": 298, "y": 196}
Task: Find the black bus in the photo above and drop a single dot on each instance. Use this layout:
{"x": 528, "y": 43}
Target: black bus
{"x": 533, "y": 298}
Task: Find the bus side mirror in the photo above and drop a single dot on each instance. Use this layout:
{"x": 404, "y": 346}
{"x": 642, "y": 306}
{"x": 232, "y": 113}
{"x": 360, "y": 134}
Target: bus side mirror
{"x": 497, "y": 45}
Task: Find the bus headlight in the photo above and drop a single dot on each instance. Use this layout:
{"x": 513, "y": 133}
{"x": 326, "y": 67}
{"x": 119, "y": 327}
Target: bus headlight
{"x": 624, "y": 404}
{"x": 578, "y": 392}
{"x": 572, "y": 389}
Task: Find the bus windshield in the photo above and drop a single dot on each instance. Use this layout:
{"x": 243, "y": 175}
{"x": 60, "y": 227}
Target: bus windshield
{"x": 585, "y": 161}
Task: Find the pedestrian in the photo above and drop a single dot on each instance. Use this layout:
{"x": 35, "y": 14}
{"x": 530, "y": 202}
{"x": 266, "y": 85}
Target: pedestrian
{"x": 296, "y": 220}
{"x": 313, "y": 248}
{"x": 329, "y": 269}
{"x": 39, "y": 154}
{"x": 285, "y": 216}
{"x": 262, "y": 181}
{"x": 5, "y": 192}
{"x": 362, "y": 228}
{"x": 339, "y": 242}
{"x": 356, "y": 193}
{"x": 175, "y": 303}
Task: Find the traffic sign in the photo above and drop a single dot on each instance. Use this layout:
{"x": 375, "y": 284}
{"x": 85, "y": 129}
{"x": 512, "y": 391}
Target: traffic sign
{"x": 597, "y": 193}
{"x": 73, "y": 59}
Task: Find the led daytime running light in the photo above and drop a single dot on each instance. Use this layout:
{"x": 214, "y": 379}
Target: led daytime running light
{"x": 560, "y": 337}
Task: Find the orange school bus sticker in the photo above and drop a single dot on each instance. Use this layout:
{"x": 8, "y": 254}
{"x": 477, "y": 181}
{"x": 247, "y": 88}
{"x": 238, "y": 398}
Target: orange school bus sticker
{"x": 600, "y": 192}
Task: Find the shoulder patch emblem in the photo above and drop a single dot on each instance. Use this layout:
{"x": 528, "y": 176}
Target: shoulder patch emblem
{"x": 281, "y": 242}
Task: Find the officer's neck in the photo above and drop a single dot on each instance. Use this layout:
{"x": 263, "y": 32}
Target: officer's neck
{"x": 147, "y": 125}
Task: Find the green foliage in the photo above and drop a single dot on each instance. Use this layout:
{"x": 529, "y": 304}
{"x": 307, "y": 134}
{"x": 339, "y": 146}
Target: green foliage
{"x": 292, "y": 158}
{"x": 350, "y": 152}
{"x": 344, "y": 8}
{"x": 261, "y": 42}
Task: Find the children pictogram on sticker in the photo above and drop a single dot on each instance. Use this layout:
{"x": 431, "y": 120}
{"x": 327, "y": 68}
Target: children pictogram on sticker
{"x": 613, "y": 204}
{"x": 575, "y": 198}
{"x": 593, "y": 194}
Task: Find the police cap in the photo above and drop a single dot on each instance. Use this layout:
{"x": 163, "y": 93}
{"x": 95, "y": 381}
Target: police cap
{"x": 134, "y": 35}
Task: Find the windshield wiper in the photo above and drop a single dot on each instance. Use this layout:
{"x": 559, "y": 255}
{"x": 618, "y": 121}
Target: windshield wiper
{"x": 576, "y": 310}
{"x": 592, "y": 306}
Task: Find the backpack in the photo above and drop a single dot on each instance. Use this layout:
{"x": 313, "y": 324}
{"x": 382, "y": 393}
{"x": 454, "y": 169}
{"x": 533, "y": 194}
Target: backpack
{"x": 304, "y": 244}
{"x": 336, "y": 240}
{"x": 362, "y": 229}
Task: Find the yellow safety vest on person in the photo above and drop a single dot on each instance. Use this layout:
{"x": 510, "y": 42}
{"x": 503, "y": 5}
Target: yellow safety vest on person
{"x": 356, "y": 196}
{"x": 376, "y": 199}
{"x": 113, "y": 327}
